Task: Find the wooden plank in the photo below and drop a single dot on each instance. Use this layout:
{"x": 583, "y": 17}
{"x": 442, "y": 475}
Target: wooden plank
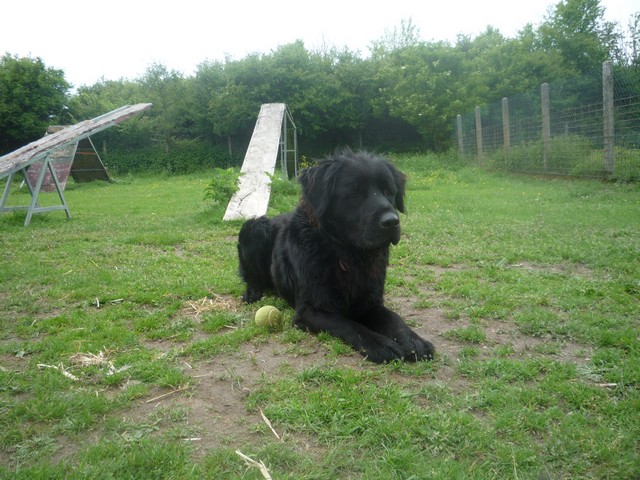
{"x": 254, "y": 187}
{"x": 34, "y": 151}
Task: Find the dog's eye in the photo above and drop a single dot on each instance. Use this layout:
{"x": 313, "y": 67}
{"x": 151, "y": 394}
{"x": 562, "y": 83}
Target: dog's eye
{"x": 387, "y": 190}
{"x": 357, "y": 189}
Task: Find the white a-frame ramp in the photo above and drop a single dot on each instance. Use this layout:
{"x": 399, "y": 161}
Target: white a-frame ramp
{"x": 254, "y": 186}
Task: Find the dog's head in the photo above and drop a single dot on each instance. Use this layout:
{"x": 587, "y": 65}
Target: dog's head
{"x": 356, "y": 197}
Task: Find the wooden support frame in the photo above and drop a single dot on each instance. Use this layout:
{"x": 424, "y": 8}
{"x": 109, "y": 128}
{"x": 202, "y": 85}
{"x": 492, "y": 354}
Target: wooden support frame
{"x": 34, "y": 190}
{"x": 44, "y": 149}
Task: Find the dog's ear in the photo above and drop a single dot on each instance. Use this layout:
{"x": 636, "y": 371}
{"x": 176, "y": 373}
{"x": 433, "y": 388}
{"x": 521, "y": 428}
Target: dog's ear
{"x": 400, "y": 180}
{"x": 318, "y": 183}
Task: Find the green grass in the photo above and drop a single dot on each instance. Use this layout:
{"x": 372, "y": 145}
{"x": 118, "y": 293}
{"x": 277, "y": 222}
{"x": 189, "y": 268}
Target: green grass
{"x": 528, "y": 288}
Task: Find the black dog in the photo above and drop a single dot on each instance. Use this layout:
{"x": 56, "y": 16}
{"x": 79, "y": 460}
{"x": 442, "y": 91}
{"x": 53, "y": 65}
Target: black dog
{"x": 329, "y": 257}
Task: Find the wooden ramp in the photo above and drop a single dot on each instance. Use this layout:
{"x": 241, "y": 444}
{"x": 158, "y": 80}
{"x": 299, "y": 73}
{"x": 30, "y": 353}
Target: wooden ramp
{"x": 254, "y": 187}
{"x": 80, "y": 159}
{"x": 48, "y": 148}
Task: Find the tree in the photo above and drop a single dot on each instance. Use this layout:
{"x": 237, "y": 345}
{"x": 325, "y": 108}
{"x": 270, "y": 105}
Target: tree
{"x": 358, "y": 87}
{"x": 227, "y": 92}
{"x": 405, "y": 35}
{"x": 32, "y": 96}
{"x": 577, "y": 29}
{"x": 166, "y": 89}
{"x": 633, "y": 55}
{"x": 422, "y": 85}
{"x": 105, "y": 96}
{"x": 102, "y": 97}
{"x": 208, "y": 80}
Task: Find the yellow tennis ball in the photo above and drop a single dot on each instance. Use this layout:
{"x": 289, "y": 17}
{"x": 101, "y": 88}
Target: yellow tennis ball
{"x": 267, "y": 316}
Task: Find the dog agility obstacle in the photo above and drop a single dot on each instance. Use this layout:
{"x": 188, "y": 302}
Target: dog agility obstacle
{"x": 61, "y": 143}
{"x": 254, "y": 187}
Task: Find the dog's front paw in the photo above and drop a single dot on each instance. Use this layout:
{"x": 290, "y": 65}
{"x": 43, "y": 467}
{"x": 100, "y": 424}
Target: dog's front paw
{"x": 383, "y": 350}
{"x": 417, "y": 349}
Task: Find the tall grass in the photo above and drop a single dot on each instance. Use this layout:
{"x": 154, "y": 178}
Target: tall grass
{"x": 571, "y": 155}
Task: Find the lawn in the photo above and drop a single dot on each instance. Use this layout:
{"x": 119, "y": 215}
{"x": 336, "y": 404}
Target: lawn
{"x": 126, "y": 353}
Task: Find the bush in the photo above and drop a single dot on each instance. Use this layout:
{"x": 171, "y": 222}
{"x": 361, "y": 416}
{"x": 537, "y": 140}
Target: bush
{"x": 222, "y": 186}
{"x": 566, "y": 151}
{"x": 185, "y": 156}
{"x": 626, "y": 165}
{"x": 282, "y": 186}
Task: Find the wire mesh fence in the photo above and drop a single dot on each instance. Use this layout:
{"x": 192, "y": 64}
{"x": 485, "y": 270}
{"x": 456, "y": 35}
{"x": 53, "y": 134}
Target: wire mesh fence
{"x": 587, "y": 127}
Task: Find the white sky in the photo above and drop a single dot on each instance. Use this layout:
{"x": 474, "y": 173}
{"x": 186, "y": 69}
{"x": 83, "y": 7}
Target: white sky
{"x": 91, "y": 40}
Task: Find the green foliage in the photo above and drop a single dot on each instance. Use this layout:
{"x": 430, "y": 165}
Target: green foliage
{"x": 282, "y": 186}
{"x": 577, "y": 29}
{"x": 186, "y": 156}
{"x": 32, "y": 97}
{"x": 285, "y": 194}
{"x": 626, "y": 160}
{"x": 222, "y": 186}
{"x": 569, "y": 155}
{"x": 171, "y": 99}
{"x": 404, "y": 96}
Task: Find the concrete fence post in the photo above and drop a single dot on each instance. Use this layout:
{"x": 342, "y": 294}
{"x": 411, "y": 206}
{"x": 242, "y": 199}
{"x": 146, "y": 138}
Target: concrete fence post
{"x": 460, "y": 138}
{"x": 546, "y": 126}
{"x": 506, "y": 130}
{"x": 479, "y": 135}
{"x": 607, "y": 114}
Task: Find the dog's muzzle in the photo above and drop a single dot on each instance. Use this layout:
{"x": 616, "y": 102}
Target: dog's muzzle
{"x": 389, "y": 220}
{"x": 390, "y": 224}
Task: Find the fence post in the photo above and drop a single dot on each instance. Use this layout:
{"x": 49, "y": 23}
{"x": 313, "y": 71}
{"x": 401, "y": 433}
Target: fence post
{"x": 607, "y": 114}
{"x": 460, "y": 139}
{"x": 546, "y": 125}
{"x": 479, "y": 135}
{"x": 506, "y": 130}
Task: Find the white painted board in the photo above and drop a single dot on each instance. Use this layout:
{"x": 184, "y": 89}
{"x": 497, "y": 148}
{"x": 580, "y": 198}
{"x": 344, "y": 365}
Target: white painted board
{"x": 254, "y": 187}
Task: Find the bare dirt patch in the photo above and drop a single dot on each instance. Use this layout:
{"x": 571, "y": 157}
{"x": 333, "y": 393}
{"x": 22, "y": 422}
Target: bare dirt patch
{"x": 433, "y": 324}
{"x": 562, "y": 269}
{"x": 215, "y": 399}
{"x": 17, "y": 362}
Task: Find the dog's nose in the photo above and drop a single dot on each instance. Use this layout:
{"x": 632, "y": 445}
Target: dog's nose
{"x": 389, "y": 220}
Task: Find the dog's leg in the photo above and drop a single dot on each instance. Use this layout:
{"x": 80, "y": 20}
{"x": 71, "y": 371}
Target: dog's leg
{"x": 374, "y": 346}
{"x": 255, "y": 242}
{"x": 390, "y": 324}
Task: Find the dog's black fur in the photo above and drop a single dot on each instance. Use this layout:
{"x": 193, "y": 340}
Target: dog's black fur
{"x": 328, "y": 258}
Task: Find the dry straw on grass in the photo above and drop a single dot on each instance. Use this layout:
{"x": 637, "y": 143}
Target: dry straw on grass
{"x": 204, "y": 305}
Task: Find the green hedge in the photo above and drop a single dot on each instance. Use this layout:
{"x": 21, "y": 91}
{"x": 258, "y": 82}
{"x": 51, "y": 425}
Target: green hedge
{"x": 182, "y": 157}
